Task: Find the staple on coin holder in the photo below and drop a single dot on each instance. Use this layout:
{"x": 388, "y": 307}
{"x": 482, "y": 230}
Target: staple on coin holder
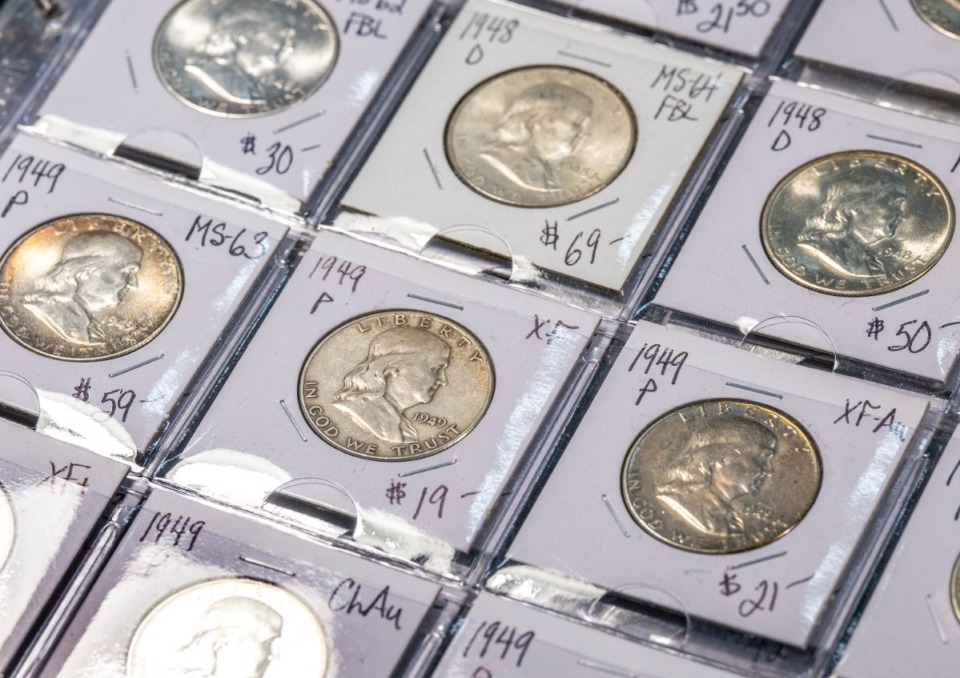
{"x": 162, "y": 149}
{"x": 19, "y": 399}
{"x": 331, "y": 500}
{"x": 659, "y": 623}
{"x": 789, "y": 320}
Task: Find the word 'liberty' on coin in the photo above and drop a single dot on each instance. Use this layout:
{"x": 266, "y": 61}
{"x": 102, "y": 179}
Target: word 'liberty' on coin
{"x": 244, "y": 57}
{"x": 540, "y": 136}
{"x": 88, "y": 287}
{"x": 857, "y": 223}
{"x": 721, "y": 476}
{"x": 229, "y": 627}
{"x": 943, "y": 15}
{"x": 396, "y": 385}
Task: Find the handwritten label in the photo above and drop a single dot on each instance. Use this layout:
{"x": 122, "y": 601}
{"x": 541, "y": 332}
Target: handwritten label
{"x": 498, "y": 640}
{"x": 237, "y": 242}
{"x": 178, "y": 532}
{"x": 341, "y": 271}
{"x": 720, "y": 16}
{"x": 582, "y": 245}
{"x": 350, "y": 598}
{"x": 487, "y": 29}
{"x": 72, "y": 472}
{"x": 873, "y": 417}
{"x": 652, "y": 358}
{"x": 796, "y": 116}
{"x": 758, "y": 598}
{"x": 432, "y": 499}
{"x": 912, "y": 336}
{"x": 548, "y": 330}
{"x": 117, "y": 400}
{"x": 27, "y": 169}
{"x": 682, "y": 88}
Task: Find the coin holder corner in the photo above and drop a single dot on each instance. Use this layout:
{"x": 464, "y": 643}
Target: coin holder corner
{"x": 291, "y": 149}
{"x": 541, "y": 644}
{"x": 596, "y": 540}
{"x": 597, "y": 239}
{"x": 56, "y": 494}
{"x": 914, "y": 591}
{"x": 177, "y": 542}
{"x": 913, "y": 329}
{"x": 892, "y": 41}
{"x": 117, "y": 404}
{"x": 444, "y": 499}
{"x": 741, "y": 28}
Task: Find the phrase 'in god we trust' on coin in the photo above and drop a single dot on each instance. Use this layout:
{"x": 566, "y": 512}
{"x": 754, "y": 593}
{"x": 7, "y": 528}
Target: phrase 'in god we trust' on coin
{"x": 721, "y": 476}
{"x": 396, "y": 385}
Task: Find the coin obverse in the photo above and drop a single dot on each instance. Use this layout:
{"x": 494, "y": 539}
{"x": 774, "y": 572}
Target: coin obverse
{"x": 88, "y": 287}
{"x": 540, "y": 136}
{"x": 944, "y": 15}
{"x": 229, "y": 627}
{"x": 396, "y": 385}
{"x": 244, "y": 57}
{"x": 857, "y": 223}
{"x": 8, "y": 527}
{"x": 721, "y": 476}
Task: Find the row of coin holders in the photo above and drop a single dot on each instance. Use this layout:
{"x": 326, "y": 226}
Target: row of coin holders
{"x": 536, "y": 323}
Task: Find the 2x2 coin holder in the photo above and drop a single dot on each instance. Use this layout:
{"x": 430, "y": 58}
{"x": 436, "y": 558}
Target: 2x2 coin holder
{"x": 182, "y": 260}
{"x": 539, "y": 101}
{"x": 675, "y": 532}
{"x": 163, "y": 69}
{"x": 907, "y": 321}
{"x": 911, "y": 41}
{"x": 919, "y": 589}
{"x": 192, "y": 585}
{"x": 740, "y": 27}
{"x": 485, "y": 364}
{"x": 51, "y": 498}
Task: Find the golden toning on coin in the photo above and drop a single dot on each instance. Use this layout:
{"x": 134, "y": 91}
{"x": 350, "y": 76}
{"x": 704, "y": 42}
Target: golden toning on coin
{"x": 233, "y": 627}
{"x": 396, "y": 385}
{"x": 721, "y": 476}
{"x": 244, "y": 57}
{"x": 857, "y": 223}
{"x": 944, "y": 15}
{"x": 541, "y": 136}
{"x": 88, "y": 287}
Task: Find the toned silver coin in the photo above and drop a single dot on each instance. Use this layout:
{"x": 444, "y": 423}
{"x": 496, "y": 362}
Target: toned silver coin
{"x": 944, "y": 15}
{"x": 857, "y": 223}
{"x": 955, "y": 588}
{"x": 541, "y": 136}
{"x": 88, "y": 287}
{"x": 396, "y": 385}
{"x": 721, "y": 476}
{"x": 8, "y": 527}
{"x": 245, "y": 57}
{"x": 234, "y": 627}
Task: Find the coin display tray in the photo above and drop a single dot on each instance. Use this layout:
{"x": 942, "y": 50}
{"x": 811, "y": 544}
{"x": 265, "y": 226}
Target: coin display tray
{"x": 290, "y": 149}
{"x": 257, "y": 425}
{"x": 57, "y": 493}
{"x": 912, "y": 329}
{"x": 544, "y": 645}
{"x": 114, "y": 406}
{"x": 913, "y": 600}
{"x": 741, "y": 27}
{"x": 676, "y": 98}
{"x": 580, "y": 525}
{"x": 892, "y": 41}
{"x": 154, "y": 561}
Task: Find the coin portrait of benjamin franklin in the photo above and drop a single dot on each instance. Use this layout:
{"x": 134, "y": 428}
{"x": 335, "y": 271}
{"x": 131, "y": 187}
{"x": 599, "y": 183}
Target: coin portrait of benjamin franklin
{"x": 94, "y": 273}
{"x": 404, "y": 367}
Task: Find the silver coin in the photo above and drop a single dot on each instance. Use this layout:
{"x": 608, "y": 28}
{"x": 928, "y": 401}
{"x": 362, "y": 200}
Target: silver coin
{"x": 541, "y": 136}
{"x": 234, "y": 627}
{"x": 944, "y": 15}
{"x": 245, "y": 57}
{"x": 8, "y": 528}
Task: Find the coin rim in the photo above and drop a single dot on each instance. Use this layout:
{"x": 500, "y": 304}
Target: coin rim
{"x": 387, "y": 311}
{"x": 334, "y": 30}
{"x": 454, "y": 114}
{"x": 930, "y": 22}
{"x": 8, "y": 510}
{"x": 156, "y": 333}
{"x": 749, "y": 403}
{"x": 955, "y": 588}
{"x": 787, "y": 273}
{"x": 325, "y": 635}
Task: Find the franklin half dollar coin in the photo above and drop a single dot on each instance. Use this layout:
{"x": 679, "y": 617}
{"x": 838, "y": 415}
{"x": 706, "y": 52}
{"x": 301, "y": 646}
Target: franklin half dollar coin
{"x": 396, "y": 385}
{"x": 944, "y": 15}
{"x": 8, "y": 527}
{"x": 721, "y": 476}
{"x": 244, "y": 57}
{"x": 229, "y": 627}
{"x": 955, "y": 588}
{"x": 857, "y": 223}
{"x": 541, "y": 136}
{"x": 88, "y": 287}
